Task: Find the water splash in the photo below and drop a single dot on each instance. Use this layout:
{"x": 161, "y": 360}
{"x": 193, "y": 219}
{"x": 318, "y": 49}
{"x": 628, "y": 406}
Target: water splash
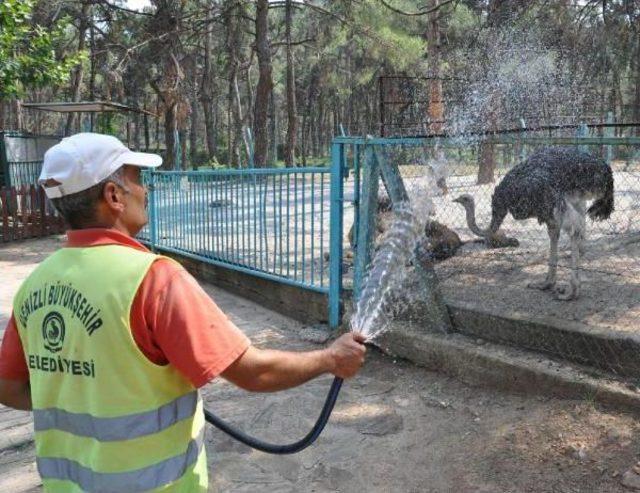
{"x": 387, "y": 272}
{"x": 516, "y": 75}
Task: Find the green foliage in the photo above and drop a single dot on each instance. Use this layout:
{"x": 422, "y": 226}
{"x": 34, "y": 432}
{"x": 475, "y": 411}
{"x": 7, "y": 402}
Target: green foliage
{"x": 28, "y": 52}
{"x": 212, "y": 164}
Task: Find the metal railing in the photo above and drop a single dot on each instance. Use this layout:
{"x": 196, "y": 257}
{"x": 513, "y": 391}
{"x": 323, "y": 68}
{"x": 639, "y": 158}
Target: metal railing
{"x": 278, "y": 224}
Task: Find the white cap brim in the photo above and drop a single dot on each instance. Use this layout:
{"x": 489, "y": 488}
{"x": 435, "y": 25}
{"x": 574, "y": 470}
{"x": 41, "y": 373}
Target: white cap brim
{"x": 141, "y": 159}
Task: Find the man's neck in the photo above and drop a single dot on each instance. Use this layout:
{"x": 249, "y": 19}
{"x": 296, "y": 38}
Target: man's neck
{"x": 117, "y": 226}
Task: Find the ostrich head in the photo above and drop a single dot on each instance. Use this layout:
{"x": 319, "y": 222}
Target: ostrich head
{"x": 495, "y": 239}
{"x": 466, "y": 201}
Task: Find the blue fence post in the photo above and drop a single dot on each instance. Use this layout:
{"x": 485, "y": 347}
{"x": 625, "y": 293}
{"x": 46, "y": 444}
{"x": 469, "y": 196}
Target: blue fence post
{"x": 153, "y": 213}
{"x": 367, "y": 215}
{"x": 335, "y": 235}
{"x": 392, "y": 180}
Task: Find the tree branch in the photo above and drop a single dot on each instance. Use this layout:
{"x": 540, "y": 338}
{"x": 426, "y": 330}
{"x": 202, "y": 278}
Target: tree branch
{"x": 105, "y": 3}
{"x": 415, "y": 14}
{"x": 293, "y": 43}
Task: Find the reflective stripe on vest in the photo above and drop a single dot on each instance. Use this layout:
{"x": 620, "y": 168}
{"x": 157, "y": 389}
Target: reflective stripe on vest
{"x": 118, "y": 428}
{"x": 143, "y": 479}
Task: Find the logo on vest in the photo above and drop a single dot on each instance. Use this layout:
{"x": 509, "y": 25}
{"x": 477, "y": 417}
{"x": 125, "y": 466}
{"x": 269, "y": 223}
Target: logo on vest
{"x": 53, "y": 331}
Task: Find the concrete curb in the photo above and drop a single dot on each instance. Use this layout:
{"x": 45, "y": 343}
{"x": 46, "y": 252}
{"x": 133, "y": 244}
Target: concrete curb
{"x": 605, "y": 349}
{"x": 507, "y": 368}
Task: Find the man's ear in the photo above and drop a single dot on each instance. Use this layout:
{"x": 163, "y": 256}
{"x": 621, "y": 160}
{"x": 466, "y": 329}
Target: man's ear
{"x": 112, "y": 195}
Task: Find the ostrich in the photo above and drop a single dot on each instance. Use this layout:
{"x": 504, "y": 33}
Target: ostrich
{"x": 553, "y": 186}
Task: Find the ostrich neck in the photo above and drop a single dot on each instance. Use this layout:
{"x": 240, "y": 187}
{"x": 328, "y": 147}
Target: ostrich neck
{"x": 473, "y": 226}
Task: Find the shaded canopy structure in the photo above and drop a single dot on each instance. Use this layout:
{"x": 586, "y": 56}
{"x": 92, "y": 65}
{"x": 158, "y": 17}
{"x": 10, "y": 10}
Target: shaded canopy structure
{"x": 86, "y": 107}
{"x": 108, "y": 108}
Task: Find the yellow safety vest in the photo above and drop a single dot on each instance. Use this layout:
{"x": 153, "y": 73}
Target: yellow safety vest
{"x": 106, "y": 418}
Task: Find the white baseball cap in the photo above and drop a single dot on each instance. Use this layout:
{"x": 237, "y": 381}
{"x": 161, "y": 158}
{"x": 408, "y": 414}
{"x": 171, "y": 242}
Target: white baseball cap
{"x": 84, "y": 160}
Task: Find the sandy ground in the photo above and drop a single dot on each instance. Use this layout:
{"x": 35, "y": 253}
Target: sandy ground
{"x": 396, "y": 427}
{"x": 496, "y": 280}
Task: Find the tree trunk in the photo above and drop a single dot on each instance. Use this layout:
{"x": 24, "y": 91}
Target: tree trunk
{"x": 17, "y": 111}
{"x": 307, "y": 125}
{"x": 436, "y": 99}
{"x": 136, "y": 130}
{"x": 92, "y": 75}
{"x": 233, "y": 95}
{"x": 182, "y": 135}
{"x": 318, "y": 144}
{"x": 292, "y": 117}
{"x": 145, "y": 120}
{"x": 209, "y": 128}
{"x": 157, "y": 122}
{"x": 636, "y": 105}
{"x": 170, "y": 135}
{"x": 486, "y": 163}
{"x": 78, "y": 73}
{"x": 206, "y": 95}
{"x": 265, "y": 84}
{"x": 273, "y": 129}
{"x": 193, "y": 130}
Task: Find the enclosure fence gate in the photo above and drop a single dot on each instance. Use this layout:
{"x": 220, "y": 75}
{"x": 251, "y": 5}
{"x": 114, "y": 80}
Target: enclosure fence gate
{"x": 281, "y": 224}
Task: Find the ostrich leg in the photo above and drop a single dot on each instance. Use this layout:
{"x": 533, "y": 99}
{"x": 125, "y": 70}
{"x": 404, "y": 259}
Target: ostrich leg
{"x": 574, "y": 223}
{"x": 550, "y": 281}
{"x": 581, "y": 207}
{"x": 571, "y": 291}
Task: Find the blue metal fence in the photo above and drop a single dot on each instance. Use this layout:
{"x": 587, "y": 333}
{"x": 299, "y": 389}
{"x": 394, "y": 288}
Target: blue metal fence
{"x": 278, "y": 224}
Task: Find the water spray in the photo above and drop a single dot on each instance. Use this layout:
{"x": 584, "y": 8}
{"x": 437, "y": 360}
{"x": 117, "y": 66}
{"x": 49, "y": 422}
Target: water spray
{"x": 387, "y": 272}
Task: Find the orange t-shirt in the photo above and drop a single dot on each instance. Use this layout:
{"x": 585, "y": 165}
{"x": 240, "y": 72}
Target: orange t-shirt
{"x": 173, "y": 321}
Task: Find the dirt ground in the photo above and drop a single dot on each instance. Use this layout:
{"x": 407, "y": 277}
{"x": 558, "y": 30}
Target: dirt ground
{"x": 396, "y": 427}
{"x": 496, "y": 280}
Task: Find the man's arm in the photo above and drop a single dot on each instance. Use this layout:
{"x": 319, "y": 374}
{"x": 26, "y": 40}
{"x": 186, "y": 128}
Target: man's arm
{"x": 198, "y": 339}
{"x": 14, "y": 374}
{"x": 266, "y": 370}
{"x": 16, "y": 394}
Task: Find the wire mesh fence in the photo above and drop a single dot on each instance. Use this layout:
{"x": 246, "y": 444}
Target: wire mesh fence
{"x": 599, "y": 328}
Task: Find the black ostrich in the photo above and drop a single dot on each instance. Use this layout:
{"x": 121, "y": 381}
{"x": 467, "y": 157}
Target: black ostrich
{"x": 553, "y": 185}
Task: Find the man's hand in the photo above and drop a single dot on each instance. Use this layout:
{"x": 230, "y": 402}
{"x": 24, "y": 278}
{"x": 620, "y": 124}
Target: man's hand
{"x": 348, "y": 354}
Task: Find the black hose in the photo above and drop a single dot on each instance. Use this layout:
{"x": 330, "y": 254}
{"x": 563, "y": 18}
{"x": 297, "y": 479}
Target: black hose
{"x": 291, "y": 448}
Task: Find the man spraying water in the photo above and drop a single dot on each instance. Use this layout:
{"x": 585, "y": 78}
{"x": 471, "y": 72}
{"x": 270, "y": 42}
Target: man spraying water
{"x": 108, "y": 342}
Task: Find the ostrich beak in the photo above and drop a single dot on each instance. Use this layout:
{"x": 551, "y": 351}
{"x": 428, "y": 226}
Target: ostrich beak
{"x": 457, "y": 200}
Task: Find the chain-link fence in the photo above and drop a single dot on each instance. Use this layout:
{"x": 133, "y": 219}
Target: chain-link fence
{"x": 489, "y": 291}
